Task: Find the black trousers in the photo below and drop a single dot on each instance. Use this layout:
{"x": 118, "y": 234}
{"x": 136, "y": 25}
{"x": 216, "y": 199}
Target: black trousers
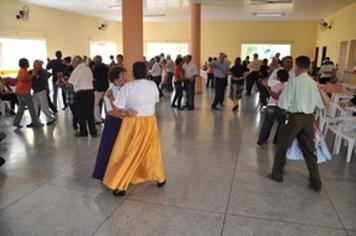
{"x": 251, "y": 79}
{"x": 84, "y": 105}
{"x": 299, "y": 126}
{"x": 190, "y": 93}
{"x": 178, "y": 85}
{"x": 272, "y": 113}
{"x": 324, "y": 80}
{"x": 74, "y": 116}
{"x": 158, "y": 80}
{"x": 210, "y": 80}
{"x": 264, "y": 95}
{"x": 50, "y": 103}
{"x": 220, "y": 87}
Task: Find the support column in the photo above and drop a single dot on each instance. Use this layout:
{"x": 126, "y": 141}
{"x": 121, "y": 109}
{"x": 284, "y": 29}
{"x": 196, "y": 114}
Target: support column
{"x": 132, "y": 33}
{"x": 196, "y": 41}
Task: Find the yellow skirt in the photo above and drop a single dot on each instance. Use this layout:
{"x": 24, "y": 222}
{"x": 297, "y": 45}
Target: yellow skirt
{"x": 136, "y": 156}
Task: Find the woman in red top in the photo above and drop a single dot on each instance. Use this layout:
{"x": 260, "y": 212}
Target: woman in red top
{"x": 178, "y": 83}
{"x": 23, "y": 93}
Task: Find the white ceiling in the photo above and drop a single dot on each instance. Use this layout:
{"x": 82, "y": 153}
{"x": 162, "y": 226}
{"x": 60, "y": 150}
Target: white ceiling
{"x": 170, "y": 10}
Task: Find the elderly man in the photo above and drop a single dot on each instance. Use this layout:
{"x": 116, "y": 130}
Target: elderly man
{"x": 101, "y": 84}
{"x": 170, "y": 73}
{"x": 82, "y": 81}
{"x": 190, "y": 72}
{"x": 40, "y": 87}
{"x": 287, "y": 64}
{"x": 221, "y": 71}
{"x": 299, "y": 99}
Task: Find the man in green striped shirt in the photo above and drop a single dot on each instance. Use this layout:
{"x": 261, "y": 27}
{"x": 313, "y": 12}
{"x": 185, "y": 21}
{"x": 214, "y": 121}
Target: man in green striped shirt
{"x": 299, "y": 99}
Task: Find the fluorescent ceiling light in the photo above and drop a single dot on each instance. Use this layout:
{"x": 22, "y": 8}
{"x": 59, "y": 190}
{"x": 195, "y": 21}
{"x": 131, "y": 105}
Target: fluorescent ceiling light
{"x": 268, "y": 14}
{"x": 117, "y": 6}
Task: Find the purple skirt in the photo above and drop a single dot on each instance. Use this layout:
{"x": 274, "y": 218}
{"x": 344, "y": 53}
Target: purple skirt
{"x": 108, "y": 138}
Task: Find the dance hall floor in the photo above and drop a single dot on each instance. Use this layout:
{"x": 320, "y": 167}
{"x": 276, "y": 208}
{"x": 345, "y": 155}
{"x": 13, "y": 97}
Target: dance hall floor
{"x": 217, "y": 183}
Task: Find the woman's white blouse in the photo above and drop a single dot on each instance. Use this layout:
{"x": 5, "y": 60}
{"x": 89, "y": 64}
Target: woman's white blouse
{"x": 140, "y": 95}
{"x": 115, "y": 92}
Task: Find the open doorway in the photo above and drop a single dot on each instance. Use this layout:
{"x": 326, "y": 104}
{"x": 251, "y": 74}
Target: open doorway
{"x": 173, "y": 49}
{"x": 265, "y": 50}
{"x": 103, "y": 49}
{"x": 342, "y": 59}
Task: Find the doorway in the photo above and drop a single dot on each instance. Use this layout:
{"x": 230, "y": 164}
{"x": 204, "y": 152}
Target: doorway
{"x": 265, "y": 50}
{"x": 352, "y": 55}
{"x": 342, "y": 59}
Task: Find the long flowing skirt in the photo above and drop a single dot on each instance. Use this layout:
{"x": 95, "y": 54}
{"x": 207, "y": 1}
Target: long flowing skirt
{"x": 322, "y": 150}
{"x": 108, "y": 138}
{"x": 136, "y": 156}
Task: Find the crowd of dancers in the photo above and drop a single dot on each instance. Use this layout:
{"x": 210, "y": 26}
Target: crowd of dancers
{"x": 129, "y": 151}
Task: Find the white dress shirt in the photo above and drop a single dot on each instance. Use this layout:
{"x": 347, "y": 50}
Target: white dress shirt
{"x": 140, "y": 95}
{"x": 273, "y": 79}
{"x": 81, "y": 78}
{"x": 115, "y": 92}
{"x": 327, "y": 71}
{"x": 156, "y": 69}
{"x": 190, "y": 70}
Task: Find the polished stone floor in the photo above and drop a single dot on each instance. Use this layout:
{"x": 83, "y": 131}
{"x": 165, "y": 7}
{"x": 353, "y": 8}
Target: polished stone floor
{"x": 217, "y": 183}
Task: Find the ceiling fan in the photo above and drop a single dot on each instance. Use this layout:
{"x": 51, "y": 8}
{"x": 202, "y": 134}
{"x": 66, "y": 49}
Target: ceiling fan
{"x": 324, "y": 25}
{"x": 24, "y": 13}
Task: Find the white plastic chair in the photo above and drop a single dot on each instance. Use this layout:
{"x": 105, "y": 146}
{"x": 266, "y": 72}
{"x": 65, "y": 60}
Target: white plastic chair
{"x": 344, "y": 128}
{"x": 327, "y": 117}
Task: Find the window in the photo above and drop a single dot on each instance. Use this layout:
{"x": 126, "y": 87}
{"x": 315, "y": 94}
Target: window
{"x": 265, "y": 50}
{"x": 104, "y": 49}
{"x": 174, "y": 49}
{"x": 12, "y": 49}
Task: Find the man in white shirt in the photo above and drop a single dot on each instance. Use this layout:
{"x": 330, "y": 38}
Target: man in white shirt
{"x": 326, "y": 72}
{"x": 156, "y": 73}
{"x": 170, "y": 73}
{"x": 287, "y": 64}
{"x": 190, "y": 72}
{"x": 82, "y": 81}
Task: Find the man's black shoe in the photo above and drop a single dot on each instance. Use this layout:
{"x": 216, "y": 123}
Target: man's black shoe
{"x": 2, "y": 161}
{"x": 275, "y": 178}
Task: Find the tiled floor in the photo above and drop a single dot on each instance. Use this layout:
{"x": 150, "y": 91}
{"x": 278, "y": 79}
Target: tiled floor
{"x": 217, "y": 183}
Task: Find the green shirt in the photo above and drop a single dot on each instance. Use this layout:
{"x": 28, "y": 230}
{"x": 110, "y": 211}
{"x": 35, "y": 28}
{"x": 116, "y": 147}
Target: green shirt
{"x": 170, "y": 66}
{"x": 301, "y": 95}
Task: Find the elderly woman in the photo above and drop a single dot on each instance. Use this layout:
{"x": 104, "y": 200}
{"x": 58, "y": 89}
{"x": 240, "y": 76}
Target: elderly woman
{"x": 136, "y": 156}
{"x": 117, "y": 76}
{"x": 23, "y": 93}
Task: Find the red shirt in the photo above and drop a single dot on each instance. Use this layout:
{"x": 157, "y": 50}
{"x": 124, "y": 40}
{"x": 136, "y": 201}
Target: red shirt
{"x": 22, "y": 86}
{"x": 179, "y": 73}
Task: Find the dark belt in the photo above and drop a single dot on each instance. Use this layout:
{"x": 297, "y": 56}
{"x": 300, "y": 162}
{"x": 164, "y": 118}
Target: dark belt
{"x": 84, "y": 90}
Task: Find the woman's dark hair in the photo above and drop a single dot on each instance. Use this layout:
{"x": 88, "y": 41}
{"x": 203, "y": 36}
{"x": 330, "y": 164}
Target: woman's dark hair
{"x": 210, "y": 59}
{"x": 24, "y": 63}
{"x": 303, "y": 62}
{"x": 283, "y": 75}
{"x": 139, "y": 70}
{"x": 178, "y": 60}
{"x": 115, "y": 72}
{"x": 237, "y": 61}
{"x": 265, "y": 61}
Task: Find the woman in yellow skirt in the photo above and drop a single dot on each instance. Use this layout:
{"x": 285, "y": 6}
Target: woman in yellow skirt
{"x": 136, "y": 156}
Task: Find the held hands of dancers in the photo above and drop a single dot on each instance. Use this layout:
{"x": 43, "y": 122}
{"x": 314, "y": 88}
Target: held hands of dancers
{"x": 122, "y": 113}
